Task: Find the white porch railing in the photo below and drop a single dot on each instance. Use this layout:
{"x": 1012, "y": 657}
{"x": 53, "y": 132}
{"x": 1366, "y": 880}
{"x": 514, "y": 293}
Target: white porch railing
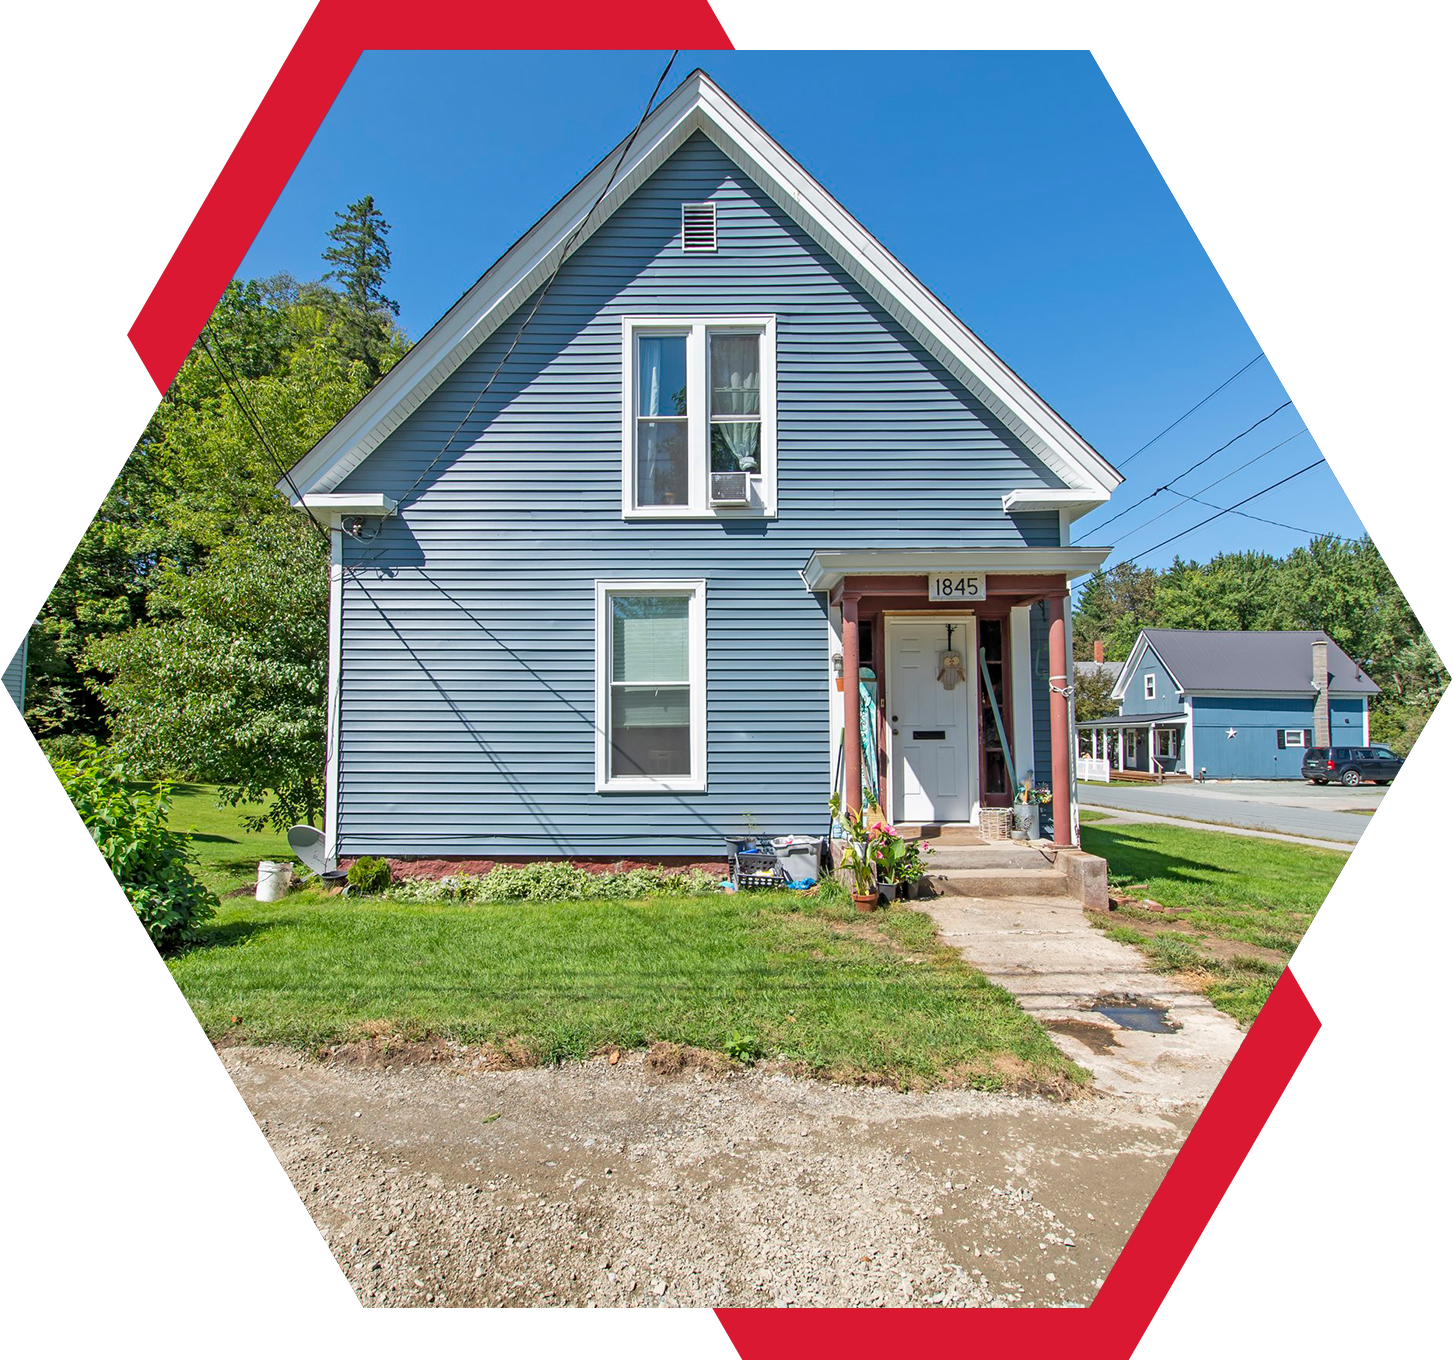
{"x": 1092, "y": 770}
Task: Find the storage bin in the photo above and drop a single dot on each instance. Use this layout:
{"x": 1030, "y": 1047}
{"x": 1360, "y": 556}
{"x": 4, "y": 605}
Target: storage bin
{"x": 798, "y": 856}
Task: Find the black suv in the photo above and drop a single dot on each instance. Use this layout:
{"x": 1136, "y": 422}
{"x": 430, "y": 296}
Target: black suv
{"x": 1351, "y": 765}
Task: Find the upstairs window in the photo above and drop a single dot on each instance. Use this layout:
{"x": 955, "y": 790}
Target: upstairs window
{"x": 1149, "y": 681}
{"x": 700, "y": 424}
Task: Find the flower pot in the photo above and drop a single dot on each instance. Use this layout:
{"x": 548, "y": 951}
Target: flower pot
{"x": 865, "y": 901}
{"x": 888, "y": 891}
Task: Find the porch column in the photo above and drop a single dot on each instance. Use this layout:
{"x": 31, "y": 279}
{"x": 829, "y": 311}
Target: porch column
{"x": 852, "y": 737}
{"x": 1121, "y": 749}
{"x": 1059, "y": 720}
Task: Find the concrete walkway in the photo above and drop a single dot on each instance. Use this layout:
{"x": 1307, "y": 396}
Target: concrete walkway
{"x": 1113, "y": 816}
{"x": 1044, "y": 951}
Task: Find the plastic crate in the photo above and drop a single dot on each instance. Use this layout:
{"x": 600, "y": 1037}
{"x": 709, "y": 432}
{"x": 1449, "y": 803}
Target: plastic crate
{"x": 752, "y": 870}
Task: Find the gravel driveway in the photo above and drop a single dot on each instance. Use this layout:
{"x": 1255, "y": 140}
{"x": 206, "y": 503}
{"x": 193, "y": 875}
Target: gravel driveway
{"x": 437, "y": 1182}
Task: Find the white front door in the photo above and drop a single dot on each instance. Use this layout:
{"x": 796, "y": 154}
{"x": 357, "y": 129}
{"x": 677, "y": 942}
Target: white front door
{"x": 931, "y": 745}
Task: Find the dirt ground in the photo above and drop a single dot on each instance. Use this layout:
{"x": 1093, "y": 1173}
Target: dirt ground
{"x": 437, "y": 1183}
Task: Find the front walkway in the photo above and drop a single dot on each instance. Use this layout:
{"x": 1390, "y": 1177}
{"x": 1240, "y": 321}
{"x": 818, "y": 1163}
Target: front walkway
{"x": 1045, "y": 952}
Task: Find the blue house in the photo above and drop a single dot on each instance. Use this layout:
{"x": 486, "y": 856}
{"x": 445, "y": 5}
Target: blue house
{"x": 1229, "y": 705}
{"x": 15, "y": 675}
{"x": 697, "y": 505}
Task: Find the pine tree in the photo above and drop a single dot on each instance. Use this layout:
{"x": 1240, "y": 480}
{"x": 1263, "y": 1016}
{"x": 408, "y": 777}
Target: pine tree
{"x": 360, "y": 259}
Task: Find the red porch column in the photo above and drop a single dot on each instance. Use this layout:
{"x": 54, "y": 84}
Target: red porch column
{"x": 852, "y": 737}
{"x": 1059, "y": 720}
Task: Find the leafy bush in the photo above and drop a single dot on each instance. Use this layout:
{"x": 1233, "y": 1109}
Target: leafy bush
{"x": 369, "y": 874}
{"x": 129, "y": 825}
{"x": 553, "y": 882}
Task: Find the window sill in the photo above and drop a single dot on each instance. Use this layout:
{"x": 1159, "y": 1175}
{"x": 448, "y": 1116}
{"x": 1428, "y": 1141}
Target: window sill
{"x": 684, "y": 784}
{"x": 713, "y": 512}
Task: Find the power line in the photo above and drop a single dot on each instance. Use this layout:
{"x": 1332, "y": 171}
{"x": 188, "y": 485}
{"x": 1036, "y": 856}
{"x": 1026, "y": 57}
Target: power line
{"x": 1188, "y": 471}
{"x": 1197, "y": 407}
{"x": 1162, "y": 514}
{"x": 1262, "y": 519}
{"x": 540, "y": 297}
{"x": 1229, "y": 509}
{"x": 252, "y": 419}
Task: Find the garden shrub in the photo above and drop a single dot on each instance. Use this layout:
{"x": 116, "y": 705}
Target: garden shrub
{"x": 369, "y": 874}
{"x": 553, "y": 882}
{"x": 152, "y": 862}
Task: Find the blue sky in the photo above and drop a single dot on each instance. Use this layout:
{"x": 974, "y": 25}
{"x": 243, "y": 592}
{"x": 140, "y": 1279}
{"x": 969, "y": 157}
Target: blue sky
{"x": 1012, "y": 184}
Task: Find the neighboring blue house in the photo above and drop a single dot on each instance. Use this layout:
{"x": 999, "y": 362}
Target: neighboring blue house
{"x": 618, "y": 551}
{"x": 15, "y": 675}
{"x": 1235, "y": 705}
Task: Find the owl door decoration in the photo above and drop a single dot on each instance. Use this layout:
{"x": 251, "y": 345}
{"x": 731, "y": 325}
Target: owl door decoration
{"x": 951, "y": 663}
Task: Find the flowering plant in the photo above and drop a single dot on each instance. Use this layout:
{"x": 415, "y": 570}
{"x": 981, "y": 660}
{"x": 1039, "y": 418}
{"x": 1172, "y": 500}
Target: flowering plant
{"x": 865, "y": 831}
{"x": 1032, "y": 793}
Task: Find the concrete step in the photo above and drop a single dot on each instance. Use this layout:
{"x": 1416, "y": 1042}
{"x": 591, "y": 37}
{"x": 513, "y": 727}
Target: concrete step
{"x": 1003, "y": 882}
{"x": 998, "y": 855}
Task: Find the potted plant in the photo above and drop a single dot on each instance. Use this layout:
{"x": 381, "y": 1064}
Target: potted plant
{"x": 890, "y": 852}
{"x": 858, "y": 853}
{"x": 912, "y": 880}
{"x": 1029, "y": 798}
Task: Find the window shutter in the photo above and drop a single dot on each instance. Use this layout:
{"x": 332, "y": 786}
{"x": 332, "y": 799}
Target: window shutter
{"x": 1281, "y": 740}
{"x": 699, "y": 227}
{"x": 1307, "y": 737}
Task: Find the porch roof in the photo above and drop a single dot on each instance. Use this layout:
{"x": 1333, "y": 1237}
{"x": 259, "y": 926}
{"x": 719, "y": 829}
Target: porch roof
{"x": 827, "y": 567}
{"x": 1138, "y": 720}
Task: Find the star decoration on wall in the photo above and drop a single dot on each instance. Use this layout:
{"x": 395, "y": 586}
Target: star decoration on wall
{"x": 1231, "y": 731}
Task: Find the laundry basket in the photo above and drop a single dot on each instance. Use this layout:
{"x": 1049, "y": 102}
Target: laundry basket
{"x": 996, "y": 824}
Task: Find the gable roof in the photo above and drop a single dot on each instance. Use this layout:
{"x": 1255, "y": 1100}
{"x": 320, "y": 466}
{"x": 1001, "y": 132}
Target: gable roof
{"x": 1246, "y": 662}
{"x": 700, "y": 105}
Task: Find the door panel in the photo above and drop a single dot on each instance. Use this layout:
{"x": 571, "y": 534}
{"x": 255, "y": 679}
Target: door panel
{"x": 929, "y": 725}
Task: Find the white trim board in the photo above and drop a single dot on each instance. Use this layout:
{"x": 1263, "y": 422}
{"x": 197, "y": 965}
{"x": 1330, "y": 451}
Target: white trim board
{"x": 827, "y": 567}
{"x": 699, "y": 105}
{"x": 331, "y": 752}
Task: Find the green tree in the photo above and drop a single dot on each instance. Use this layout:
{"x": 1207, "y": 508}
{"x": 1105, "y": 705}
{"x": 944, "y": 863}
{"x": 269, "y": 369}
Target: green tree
{"x": 1114, "y": 607}
{"x": 360, "y": 259}
{"x": 1093, "y": 695}
{"x": 226, "y": 680}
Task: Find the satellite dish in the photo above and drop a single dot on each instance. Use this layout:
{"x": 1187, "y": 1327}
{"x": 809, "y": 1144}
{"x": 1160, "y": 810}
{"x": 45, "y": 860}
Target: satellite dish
{"x": 308, "y": 845}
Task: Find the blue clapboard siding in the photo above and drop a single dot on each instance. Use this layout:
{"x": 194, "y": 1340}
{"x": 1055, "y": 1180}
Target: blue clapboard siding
{"x": 1167, "y": 700}
{"x": 468, "y": 626}
{"x": 15, "y": 676}
{"x": 1253, "y": 753}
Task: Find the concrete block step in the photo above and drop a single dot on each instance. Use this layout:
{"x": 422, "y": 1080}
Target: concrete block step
{"x": 1003, "y": 855}
{"x": 993, "y": 882}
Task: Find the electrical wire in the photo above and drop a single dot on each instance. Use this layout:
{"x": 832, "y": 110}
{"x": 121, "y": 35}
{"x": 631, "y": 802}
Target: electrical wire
{"x": 1201, "y": 491}
{"x": 1206, "y": 458}
{"x": 1195, "y": 408}
{"x": 1227, "y": 510}
{"x": 250, "y": 415}
{"x": 565, "y": 249}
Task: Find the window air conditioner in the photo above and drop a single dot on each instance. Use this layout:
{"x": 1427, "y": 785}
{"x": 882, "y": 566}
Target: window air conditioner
{"x": 730, "y": 488}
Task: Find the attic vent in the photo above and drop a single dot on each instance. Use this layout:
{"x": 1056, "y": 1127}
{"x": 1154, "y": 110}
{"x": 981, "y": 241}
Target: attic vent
{"x": 699, "y": 227}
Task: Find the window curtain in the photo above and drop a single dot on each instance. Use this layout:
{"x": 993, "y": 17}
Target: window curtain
{"x": 736, "y": 391}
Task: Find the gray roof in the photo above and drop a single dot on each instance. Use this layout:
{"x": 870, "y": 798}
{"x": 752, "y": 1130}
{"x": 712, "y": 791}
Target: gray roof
{"x": 1111, "y": 668}
{"x": 1135, "y": 720}
{"x": 1253, "y": 662}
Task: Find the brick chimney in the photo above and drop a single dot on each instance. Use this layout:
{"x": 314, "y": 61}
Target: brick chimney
{"x": 1322, "y": 727}
{"x": 1100, "y": 651}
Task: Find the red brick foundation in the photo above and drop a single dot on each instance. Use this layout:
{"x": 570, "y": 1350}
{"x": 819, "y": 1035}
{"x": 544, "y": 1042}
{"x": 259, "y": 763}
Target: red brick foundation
{"x": 417, "y": 866}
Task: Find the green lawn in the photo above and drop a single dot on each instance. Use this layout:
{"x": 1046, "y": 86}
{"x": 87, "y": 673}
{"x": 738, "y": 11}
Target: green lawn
{"x": 227, "y": 855}
{"x": 800, "y": 978}
{"x": 1223, "y": 890}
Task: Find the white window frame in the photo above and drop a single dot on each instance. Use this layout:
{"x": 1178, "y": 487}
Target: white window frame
{"x": 1288, "y": 733}
{"x": 696, "y": 590}
{"x": 1148, "y": 685}
{"x": 1171, "y": 738}
{"x": 763, "y": 483}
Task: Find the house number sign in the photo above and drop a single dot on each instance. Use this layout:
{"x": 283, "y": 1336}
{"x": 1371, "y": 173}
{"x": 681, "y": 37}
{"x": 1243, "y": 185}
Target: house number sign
{"x": 961, "y": 587}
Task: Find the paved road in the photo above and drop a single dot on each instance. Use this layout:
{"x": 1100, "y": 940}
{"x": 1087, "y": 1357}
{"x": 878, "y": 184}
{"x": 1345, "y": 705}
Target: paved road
{"x": 1297, "y": 809}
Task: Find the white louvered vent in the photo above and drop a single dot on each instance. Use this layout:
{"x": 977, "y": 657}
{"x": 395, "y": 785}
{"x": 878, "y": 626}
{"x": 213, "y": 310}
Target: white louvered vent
{"x": 699, "y": 227}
